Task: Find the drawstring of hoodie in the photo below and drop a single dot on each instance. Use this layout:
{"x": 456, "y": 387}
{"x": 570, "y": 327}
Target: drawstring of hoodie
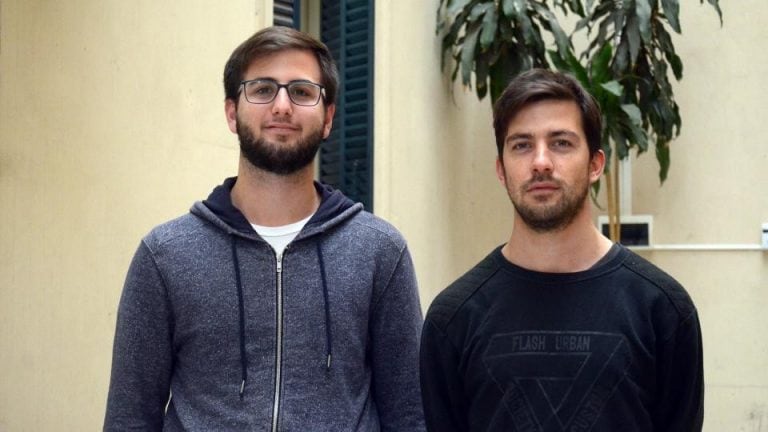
{"x": 328, "y": 336}
{"x": 241, "y": 308}
{"x": 241, "y": 312}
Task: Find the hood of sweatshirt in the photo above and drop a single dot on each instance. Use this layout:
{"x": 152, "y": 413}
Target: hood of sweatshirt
{"x": 218, "y": 209}
{"x": 335, "y": 208}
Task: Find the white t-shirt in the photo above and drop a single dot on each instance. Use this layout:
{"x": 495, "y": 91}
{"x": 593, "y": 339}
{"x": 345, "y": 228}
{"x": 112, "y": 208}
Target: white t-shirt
{"x": 279, "y": 237}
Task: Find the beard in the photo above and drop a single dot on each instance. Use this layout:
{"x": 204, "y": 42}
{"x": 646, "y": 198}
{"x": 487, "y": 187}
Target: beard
{"x": 555, "y": 216}
{"x": 276, "y": 158}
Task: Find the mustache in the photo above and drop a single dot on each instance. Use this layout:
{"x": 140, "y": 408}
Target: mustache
{"x": 541, "y": 177}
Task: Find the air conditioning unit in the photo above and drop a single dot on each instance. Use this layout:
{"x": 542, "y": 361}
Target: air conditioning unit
{"x": 636, "y": 230}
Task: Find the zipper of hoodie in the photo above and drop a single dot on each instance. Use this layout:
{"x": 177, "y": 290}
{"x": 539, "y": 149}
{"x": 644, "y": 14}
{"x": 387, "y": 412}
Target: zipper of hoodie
{"x": 278, "y": 339}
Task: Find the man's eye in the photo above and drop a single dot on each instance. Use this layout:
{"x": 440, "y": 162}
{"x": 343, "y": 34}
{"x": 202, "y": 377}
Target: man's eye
{"x": 520, "y": 146}
{"x": 562, "y": 143}
{"x": 304, "y": 91}
{"x": 263, "y": 90}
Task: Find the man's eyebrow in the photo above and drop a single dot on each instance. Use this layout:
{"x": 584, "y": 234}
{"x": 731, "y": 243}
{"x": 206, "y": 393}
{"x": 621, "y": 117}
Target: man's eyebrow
{"x": 552, "y": 134}
{"x": 563, "y": 132}
{"x": 271, "y": 79}
{"x": 519, "y": 135}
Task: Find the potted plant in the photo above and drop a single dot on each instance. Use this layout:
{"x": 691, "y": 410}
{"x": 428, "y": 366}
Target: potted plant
{"x": 626, "y": 64}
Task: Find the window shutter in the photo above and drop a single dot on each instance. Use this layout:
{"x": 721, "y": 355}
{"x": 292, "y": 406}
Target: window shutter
{"x": 346, "y": 158}
{"x": 286, "y": 13}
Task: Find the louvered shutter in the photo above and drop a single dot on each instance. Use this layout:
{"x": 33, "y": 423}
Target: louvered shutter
{"x": 286, "y": 13}
{"x": 346, "y": 158}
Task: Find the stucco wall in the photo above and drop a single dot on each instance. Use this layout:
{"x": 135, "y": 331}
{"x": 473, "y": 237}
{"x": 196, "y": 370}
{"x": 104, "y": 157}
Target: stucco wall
{"x": 111, "y": 121}
{"x": 717, "y": 193}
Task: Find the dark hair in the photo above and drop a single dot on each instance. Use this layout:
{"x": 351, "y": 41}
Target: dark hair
{"x": 273, "y": 40}
{"x": 540, "y": 84}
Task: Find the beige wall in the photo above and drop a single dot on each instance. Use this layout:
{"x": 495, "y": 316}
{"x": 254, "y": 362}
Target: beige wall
{"x": 435, "y": 181}
{"x": 717, "y": 192}
{"x": 111, "y": 121}
{"x": 434, "y": 152}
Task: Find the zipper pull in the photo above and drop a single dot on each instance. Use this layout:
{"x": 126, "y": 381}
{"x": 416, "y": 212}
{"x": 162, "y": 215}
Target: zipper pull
{"x": 280, "y": 263}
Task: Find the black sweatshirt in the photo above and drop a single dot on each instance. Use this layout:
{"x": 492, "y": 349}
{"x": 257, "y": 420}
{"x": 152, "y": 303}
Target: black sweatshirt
{"x": 613, "y": 348}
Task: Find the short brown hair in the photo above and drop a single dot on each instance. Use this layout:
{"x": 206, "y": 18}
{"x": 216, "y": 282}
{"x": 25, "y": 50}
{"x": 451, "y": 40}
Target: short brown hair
{"x": 540, "y": 84}
{"x": 273, "y": 40}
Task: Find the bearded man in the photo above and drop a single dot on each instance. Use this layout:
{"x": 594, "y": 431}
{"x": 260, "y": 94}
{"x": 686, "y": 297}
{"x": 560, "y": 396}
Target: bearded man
{"x": 277, "y": 304}
{"x": 559, "y": 329}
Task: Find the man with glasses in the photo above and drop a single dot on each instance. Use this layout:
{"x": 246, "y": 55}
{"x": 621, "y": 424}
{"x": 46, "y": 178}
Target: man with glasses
{"x": 276, "y": 304}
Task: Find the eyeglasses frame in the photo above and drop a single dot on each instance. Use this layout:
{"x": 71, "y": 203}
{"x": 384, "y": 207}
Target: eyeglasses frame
{"x": 283, "y": 86}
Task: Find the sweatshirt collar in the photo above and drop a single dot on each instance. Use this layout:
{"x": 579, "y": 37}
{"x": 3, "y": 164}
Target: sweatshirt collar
{"x": 219, "y": 202}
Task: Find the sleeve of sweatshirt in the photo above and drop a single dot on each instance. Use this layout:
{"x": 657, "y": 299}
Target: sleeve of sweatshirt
{"x": 681, "y": 379}
{"x": 395, "y": 331}
{"x": 142, "y": 352}
{"x": 441, "y": 385}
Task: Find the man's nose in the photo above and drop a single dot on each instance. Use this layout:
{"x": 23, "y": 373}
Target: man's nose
{"x": 542, "y": 158}
{"x": 282, "y": 103}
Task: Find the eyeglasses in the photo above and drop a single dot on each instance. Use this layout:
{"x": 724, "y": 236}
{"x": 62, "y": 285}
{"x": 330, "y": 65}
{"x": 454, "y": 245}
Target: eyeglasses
{"x": 264, "y": 90}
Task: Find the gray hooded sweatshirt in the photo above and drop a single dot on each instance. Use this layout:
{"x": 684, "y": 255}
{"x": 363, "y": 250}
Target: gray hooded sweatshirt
{"x": 214, "y": 333}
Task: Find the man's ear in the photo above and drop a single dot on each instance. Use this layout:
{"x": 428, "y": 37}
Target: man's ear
{"x": 230, "y": 110}
{"x": 330, "y": 110}
{"x": 500, "y": 174}
{"x": 596, "y": 166}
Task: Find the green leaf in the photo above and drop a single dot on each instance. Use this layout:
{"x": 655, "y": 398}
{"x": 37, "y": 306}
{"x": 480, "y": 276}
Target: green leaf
{"x": 455, "y": 6}
{"x": 504, "y": 27}
{"x": 501, "y": 72}
{"x": 576, "y": 7}
{"x": 633, "y": 112}
{"x": 481, "y": 75}
{"x": 584, "y": 22}
{"x": 605, "y": 137}
{"x": 602, "y": 33}
{"x": 663, "y": 156}
{"x": 588, "y": 6}
{"x": 605, "y": 142}
{"x": 620, "y": 62}
{"x": 665, "y": 43}
{"x": 451, "y": 39}
{"x": 479, "y": 10}
{"x": 643, "y": 13}
{"x": 677, "y": 65}
{"x": 468, "y": 53}
{"x": 529, "y": 34}
{"x": 481, "y": 91}
{"x": 561, "y": 39}
{"x": 633, "y": 38}
{"x": 619, "y": 16}
{"x": 439, "y": 18}
{"x": 620, "y": 143}
{"x": 570, "y": 64}
{"x": 513, "y": 8}
{"x": 558, "y": 61}
{"x": 636, "y": 135}
{"x": 595, "y": 192}
{"x": 640, "y": 138}
{"x": 507, "y": 7}
{"x": 672, "y": 13}
{"x": 716, "y": 5}
{"x": 601, "y": 63}
{"x": 613, "y": 87}
{"x": 490, "y": 24}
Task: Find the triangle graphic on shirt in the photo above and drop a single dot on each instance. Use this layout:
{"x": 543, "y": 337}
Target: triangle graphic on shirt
{"x": 555, "y": 390}
{"x": 553, "y": 381}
